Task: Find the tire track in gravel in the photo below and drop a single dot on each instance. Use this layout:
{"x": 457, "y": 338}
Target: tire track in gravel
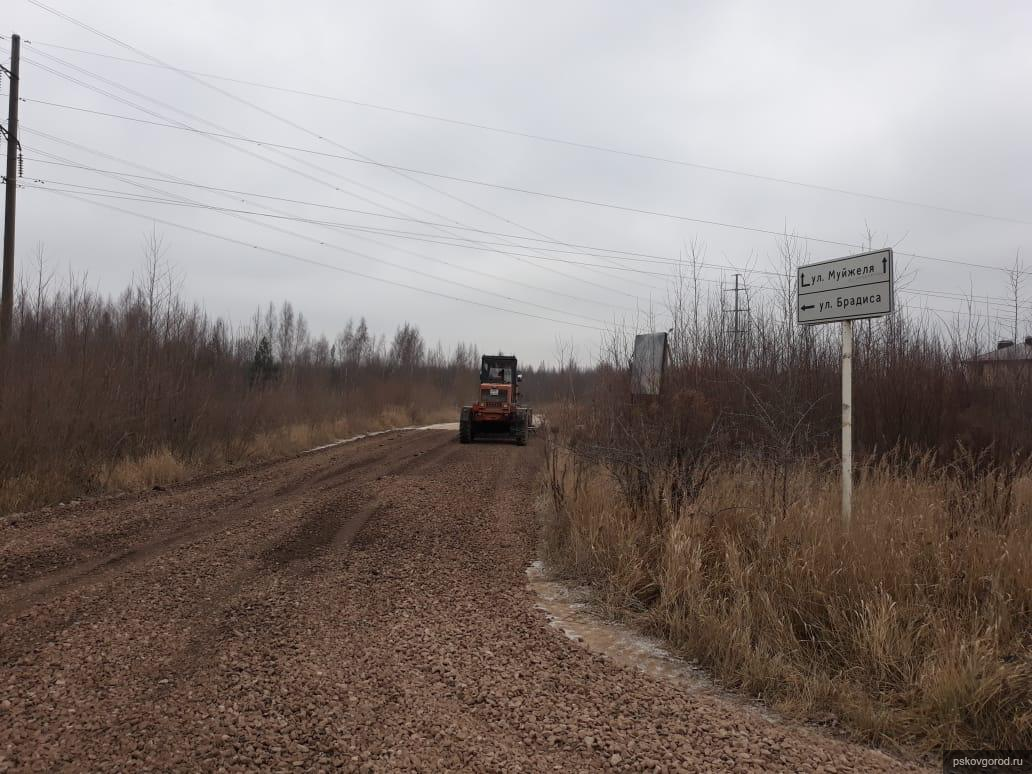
{"x": 141, "y": 549}
{"x": 321, "y": 531}
{"x": 85, "y": 529}
{"x": 373, "y": 618}
{"x": 74, "y": 583}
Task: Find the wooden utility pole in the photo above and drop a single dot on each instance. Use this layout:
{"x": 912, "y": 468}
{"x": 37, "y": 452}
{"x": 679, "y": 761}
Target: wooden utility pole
{"x": 7, "y": 288}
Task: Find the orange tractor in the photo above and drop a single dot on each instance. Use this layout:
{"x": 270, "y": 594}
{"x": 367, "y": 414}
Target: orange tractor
{"x": 498, "y": 412}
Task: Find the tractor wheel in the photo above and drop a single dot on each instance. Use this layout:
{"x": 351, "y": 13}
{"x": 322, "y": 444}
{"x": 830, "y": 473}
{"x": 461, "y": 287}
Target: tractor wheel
{"x": 466, "y": 425}
{"x": 521, "y": 434}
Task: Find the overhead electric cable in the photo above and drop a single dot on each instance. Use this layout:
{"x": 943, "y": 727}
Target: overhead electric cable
{"x": 233, "y": 213}
{"x": 619, "y": 253}
{"x": 226, "y": 137}
{"x": 276, "y": 116}
{"x": 552, "y": 140}
{"x": 598, "y": 204}
{"x": 430, "y": 238}
{"x": 587, "y": 202}
{"x": 323, "y": 264}
{"x": 999, "y": 302}
{"x": 616, "y": 253}
{"x": 173, "y": 179}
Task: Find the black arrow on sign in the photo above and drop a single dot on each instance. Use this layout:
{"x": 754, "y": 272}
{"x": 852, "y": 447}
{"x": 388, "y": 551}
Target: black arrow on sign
{"x": 802, "y": 280}
{"x": 807, "y": 306}
{"x": 884, "y": 264}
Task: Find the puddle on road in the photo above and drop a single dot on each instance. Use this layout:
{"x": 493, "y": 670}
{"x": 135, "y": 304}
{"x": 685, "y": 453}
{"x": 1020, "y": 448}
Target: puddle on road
{"x": 568, "y": 610}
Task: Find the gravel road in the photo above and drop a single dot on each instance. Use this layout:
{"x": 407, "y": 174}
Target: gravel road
{"x": 362, "y": 607}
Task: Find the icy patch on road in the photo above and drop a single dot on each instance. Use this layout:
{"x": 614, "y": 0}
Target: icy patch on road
{"x": 537, "y": 424}
{"x": 439, "y": 426}
{"x": 567, "y": 610}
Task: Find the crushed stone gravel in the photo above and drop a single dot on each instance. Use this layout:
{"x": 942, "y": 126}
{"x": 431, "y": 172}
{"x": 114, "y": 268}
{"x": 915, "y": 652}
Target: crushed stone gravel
{"x": 360, "y": 608}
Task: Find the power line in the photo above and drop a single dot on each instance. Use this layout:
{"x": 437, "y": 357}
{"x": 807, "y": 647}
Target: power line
{"x": 225, "y": 136}
{"x": 114, "y": 194}
{"x": 183, "y": 201}
{"x": 325, "y": 265}
{"x": 312, "y": 221}
{"x": 237, "y": 137}
{"x": 476, "y": 244}
{"x": 294, "y": 125}
{"x": 78, "y": 196}
{"x": 621, "y": 253}
{"x": 456, "y": 241}
{"x": 118, "y": 176}
{"x": 545, "y": 194}
{"x": 404, "y": 285}
{"x": 548, "y": 139}
{"x": 652, "y": 257}
{"x": 484, "y": 183}
{"x": 386, "y": 232}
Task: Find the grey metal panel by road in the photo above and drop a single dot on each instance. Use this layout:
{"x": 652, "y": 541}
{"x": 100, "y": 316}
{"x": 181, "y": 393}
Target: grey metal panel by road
{"x": 852, "y": 288}
{"x": 648, "y": 363}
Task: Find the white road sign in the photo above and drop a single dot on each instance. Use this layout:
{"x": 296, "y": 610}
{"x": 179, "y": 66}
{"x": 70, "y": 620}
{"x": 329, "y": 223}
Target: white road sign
{"x": 852, "y": 288}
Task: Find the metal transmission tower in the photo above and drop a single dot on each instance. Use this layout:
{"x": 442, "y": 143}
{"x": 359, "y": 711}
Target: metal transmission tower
{"x": 739, "y": 314}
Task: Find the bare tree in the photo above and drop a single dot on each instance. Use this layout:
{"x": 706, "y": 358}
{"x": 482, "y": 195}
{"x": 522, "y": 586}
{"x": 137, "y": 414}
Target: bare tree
{"x": 43, "y": 278}
{"x": 408, "y": 349}
{"x": 1015, "y": 285}
{"x": 684, "y": 302}
{"x": 152, "y": 286}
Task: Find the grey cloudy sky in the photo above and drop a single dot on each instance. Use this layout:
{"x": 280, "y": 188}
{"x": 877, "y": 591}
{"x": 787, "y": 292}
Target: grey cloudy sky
{"x": 922, "y": 101}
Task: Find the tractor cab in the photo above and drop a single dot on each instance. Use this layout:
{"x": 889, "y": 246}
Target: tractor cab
{"x": 498, "y": 379}
{"x": 498, "y": 369}
{"x": 497, "y": 410}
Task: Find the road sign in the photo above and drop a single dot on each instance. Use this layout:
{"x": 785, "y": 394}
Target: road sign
{"x": 843, "y": 290}
{"x": 647, "y": 363}
{"x": 852, "y": 288}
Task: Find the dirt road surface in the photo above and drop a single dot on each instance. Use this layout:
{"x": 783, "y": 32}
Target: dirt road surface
{"x": 363, "y": 607}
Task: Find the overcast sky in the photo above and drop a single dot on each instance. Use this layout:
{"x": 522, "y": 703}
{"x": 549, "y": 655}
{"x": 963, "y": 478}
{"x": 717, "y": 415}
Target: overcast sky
{"x": 920, "y": 101}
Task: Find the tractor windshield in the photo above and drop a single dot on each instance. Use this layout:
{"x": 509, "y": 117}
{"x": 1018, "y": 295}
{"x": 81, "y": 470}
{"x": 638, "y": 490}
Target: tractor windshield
{"x": 497, "y": 374}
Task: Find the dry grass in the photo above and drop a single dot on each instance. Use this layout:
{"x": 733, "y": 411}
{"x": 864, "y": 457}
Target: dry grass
{"x": 159, "y": 468}
{"x": 913, "y": 628}
{"x": 164, "y": 467}
{"x": 100, "y": 393}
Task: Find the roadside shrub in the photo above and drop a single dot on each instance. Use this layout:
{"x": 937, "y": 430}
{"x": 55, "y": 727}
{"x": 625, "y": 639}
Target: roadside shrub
{"x": 710, "y": 514}
{"x": 101, "y": 393}
{"x": 911, "y": 627}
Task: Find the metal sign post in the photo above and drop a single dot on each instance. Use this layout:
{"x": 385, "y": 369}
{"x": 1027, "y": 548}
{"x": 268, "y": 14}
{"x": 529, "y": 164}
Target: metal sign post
{"x": 847, "y": 421}
{"x": 842, "y": 290}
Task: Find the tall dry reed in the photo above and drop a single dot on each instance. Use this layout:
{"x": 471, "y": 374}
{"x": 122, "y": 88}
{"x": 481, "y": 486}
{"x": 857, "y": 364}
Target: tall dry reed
{"x": 913, "y": 626}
